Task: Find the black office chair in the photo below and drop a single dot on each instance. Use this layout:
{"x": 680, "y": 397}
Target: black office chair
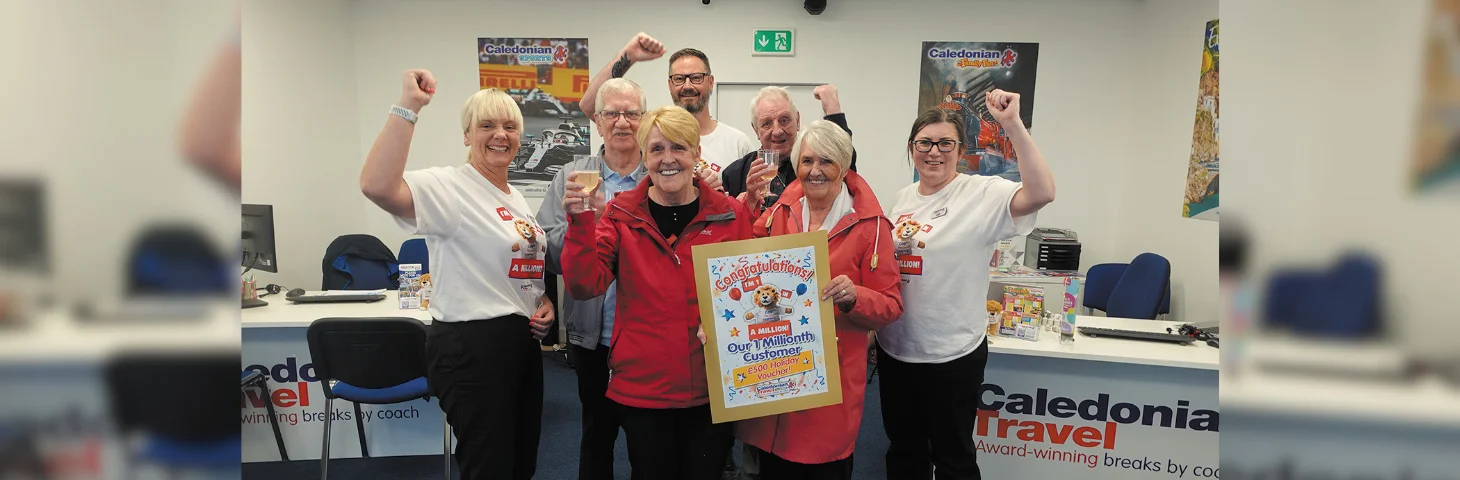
{"x": 379, "y": 361}
{"x": 182, "y": 406}
{"x": 256, "y": 379}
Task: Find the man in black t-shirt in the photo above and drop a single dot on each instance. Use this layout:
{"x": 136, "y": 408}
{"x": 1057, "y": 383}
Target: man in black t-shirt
{"x": 776, "y": 122}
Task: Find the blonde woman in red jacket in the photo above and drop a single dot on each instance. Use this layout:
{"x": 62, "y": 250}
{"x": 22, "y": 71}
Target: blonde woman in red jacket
{"x": 817, "y": 444}
{"x": 643, "y": 239}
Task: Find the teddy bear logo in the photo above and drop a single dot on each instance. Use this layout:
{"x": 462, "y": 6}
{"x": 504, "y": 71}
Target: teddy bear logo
{"x": 701, "y": 167}
{"x": 996, "y": 314}
{"x": 767, "y": 306}
{"x": 424, "y": 290}
{"x": 528, "y": 233}
{"x": 904, "y": 235}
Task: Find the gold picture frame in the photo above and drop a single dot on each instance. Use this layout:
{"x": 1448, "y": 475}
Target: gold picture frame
{"x": 806, "y": 294}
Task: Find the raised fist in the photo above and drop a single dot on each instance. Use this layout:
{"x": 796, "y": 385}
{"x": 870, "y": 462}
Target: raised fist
{"x": 1004, "y": 106}
{"x": 417, "y": 88}
{"x": 643, "y": 48}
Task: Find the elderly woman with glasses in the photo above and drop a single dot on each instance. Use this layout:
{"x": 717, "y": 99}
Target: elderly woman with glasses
{"x": 932, "y": 359}
{"x": 828, "y": 196}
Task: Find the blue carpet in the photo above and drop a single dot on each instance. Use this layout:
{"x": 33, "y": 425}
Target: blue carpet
{"x": 558, "y": 449}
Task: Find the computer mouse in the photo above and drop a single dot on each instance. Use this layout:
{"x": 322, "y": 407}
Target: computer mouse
{"x": 294, "y": 292}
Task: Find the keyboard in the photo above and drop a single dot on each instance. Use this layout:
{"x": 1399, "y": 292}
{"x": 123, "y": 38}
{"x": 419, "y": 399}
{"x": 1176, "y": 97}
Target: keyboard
{"x": 363, "y": 297}
{"x": 1135, "y": 335}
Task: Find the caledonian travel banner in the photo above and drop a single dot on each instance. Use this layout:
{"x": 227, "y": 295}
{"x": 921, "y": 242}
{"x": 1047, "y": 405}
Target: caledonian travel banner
{"x": 770, "y": 341}
{"x": 956, "y": 76}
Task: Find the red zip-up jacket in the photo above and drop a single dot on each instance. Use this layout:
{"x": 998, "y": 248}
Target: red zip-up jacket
{"x": 860, "y": 247}
{"x": 655, "y": 359}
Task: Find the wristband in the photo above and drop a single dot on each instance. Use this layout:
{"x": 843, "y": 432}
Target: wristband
{"x": 403, "y": 112}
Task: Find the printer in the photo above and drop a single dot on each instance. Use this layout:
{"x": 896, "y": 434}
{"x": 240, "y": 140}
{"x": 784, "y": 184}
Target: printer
{"x": 1052, "y": 249}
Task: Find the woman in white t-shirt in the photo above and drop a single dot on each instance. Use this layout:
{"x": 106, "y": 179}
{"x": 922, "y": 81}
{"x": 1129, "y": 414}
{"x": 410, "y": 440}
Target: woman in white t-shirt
{"x": 486, "y": 249}
{"x": 946, "y": 226}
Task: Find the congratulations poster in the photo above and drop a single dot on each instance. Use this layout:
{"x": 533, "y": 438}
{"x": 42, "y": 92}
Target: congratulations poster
{"x": 1436, "y": 162}
{"x": 770, "y": 341}
{"x": 1201, "y": 197}
{"x": 956, "y": 75}
{"x": 547, "y": 77}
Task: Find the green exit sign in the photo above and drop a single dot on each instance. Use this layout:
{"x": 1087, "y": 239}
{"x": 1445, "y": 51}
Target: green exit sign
{"x": 774, "y": 41}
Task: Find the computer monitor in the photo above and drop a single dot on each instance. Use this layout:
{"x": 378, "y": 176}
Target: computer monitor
{"x": 24, "y": 246}
{"x": 258, "y": 238}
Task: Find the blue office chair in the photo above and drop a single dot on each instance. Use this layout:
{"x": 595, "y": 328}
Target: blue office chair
{"x": 178, "y": 406}
{"x": 378, "y": 361}
{"x": 414, "y": 251}
{"x": 359, "y": 262}
{"x": 1100, "y": 280}
{"x": 1141, "y": 289}
{"x": 178, "y": 260}
{"x": 1339, "y": 302}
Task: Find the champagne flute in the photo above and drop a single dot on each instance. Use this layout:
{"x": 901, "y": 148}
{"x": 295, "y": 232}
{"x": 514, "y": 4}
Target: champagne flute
{"x": 771, "y": 158}
{"x": 589, "y": 176}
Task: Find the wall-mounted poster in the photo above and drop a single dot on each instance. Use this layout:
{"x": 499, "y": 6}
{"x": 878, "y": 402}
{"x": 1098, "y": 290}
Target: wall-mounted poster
{"x": 956, "y": 75}
{"x": 547, "y": 77}
{"x": 1201, "y": 199}
{"x": 1436, "y": 162}
{"x": 770, "y": 341}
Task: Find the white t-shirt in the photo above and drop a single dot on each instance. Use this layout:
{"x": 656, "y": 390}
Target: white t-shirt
{"x": 485, "y": 246}
{"x": 943, "y": 243}
{"x": 725, "y": 145}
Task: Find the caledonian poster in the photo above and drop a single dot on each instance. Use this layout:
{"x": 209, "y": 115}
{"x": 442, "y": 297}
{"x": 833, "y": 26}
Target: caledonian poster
{"x": 956, "y": 75}
{"x": 1202, "y": 198}
{"x": 547, "y": 77}
{"x": 770, "y": 341}
{"x": 1436, "y": 162}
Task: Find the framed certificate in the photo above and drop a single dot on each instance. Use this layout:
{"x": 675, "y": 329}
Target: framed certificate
{"x": 770, "y": 341}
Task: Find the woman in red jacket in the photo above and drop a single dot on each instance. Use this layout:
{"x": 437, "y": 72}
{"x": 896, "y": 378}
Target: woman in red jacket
{"x": 865, "y": 288}
{"x": 642, "y": 239}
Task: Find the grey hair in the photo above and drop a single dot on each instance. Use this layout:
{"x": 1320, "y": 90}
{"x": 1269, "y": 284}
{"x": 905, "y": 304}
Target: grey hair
{"x": 767, "y": 93}
{"x": 616, "y": 86}
{"x": 829, "y": 140}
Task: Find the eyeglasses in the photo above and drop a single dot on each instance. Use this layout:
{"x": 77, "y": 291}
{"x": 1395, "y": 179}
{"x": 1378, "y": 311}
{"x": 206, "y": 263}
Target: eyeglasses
{"x": 926, "y": 146}
{"x": 613, "y": 116}
{"x": 695, "y": 78}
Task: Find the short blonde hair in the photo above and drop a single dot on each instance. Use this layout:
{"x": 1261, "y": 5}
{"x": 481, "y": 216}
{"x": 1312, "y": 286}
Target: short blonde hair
{"x": 767, "y": 93}
{"x": 827, "y": 139}
{"x": 675, "y": 123}
{"x": 492, "y": 103}
{"x": 619, "y": 86}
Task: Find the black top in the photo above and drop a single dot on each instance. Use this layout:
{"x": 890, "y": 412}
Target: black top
{"x": 672, "y": 220}
{"x": 734, "y": 177}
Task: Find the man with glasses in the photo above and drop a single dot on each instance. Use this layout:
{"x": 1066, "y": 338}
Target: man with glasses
{"x": 619, "y": 104}
{"x": 690, "y": 85}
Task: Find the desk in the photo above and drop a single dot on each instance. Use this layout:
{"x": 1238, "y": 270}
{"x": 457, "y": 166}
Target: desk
{"x": 1146, "y": 404}
{"x": 274, "y": 341}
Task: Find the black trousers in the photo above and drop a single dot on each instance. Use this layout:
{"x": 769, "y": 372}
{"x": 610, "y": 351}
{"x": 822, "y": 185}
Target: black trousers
{"x": 488, "y": 377}
{"x": 929, "y": 411}
{"x": 600, "y": 416}
{"x": 777, "y": 468}
{"x": 674, "y": 443}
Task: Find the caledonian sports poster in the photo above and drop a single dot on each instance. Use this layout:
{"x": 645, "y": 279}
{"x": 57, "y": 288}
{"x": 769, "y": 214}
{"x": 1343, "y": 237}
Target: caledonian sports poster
{"x": 1201, "y": 199}
{"x": 770, "y": 341}
{"x": 547, "y": 77}
{"x": 956, "y": 75}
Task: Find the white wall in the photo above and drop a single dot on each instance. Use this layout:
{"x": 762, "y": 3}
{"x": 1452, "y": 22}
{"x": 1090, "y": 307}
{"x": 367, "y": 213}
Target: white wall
{"x": 1162, "y": 104}
{"x": 96, "y": 91}
{"x": 1120, "y": 192}
{"x": 299, "y": 130}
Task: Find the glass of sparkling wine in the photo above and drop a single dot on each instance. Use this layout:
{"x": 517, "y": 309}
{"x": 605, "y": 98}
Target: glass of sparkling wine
{"x": 771, "y": 158}
{"x": 589, "y": 176}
